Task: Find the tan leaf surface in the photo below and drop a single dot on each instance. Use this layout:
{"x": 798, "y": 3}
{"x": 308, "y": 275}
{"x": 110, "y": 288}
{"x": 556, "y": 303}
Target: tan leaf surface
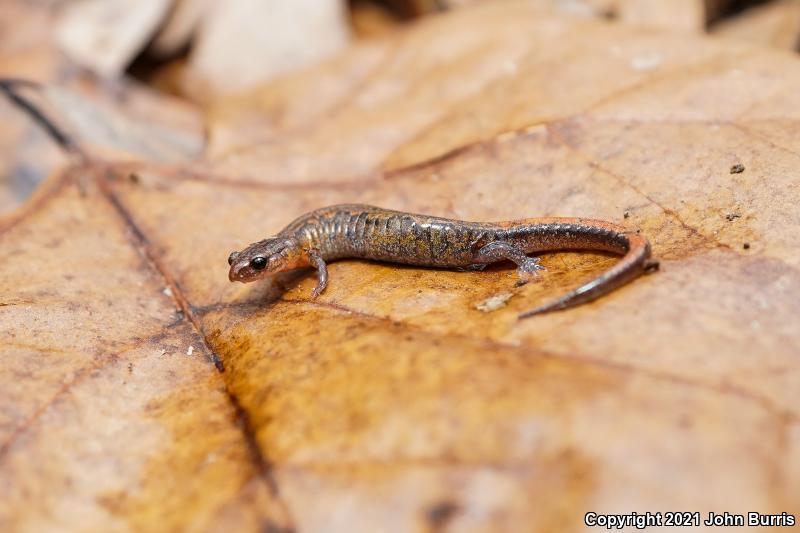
{"x": 27, "y": 48}
{"x": 392, "y": 402}
{"x": 107, "y": 423}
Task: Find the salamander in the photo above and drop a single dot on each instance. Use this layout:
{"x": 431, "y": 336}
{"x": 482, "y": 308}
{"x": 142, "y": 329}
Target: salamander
{"x": 368, "y": 232}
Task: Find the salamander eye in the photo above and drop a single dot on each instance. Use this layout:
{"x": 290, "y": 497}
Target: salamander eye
{"x": 258, "y": 262}
{"x": 232, "y": 257}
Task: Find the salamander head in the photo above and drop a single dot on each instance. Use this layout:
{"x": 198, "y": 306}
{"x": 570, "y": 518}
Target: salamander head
{"x": 264, "y": 258}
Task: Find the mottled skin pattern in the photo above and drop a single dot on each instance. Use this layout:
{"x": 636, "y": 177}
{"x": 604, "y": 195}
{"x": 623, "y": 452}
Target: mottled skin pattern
{"x": 369, "y": 232}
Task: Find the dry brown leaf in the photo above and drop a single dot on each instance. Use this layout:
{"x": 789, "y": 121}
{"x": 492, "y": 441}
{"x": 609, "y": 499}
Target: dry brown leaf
{"x": 27, "y": 47}
{"x": 180, "y": 26}
{"x": 105, "y": 35}
{"x": 234, "y": 45}
{"x": 371, "y": 20}
{"x": 775, "y": 24}
{"x": 392, "y": 402}
{"x": 27, "y": 51}
{"x": 27, "y": 155}
{"x": 106, "y": 423}
{"x": 243, "y": 43}
{"x": 680, "y": 15}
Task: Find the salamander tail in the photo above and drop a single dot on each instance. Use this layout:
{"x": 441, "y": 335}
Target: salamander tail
{"x": 633, "y": 263}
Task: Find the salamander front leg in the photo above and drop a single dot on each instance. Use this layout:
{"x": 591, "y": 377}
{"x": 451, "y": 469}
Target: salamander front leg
{"x": 322, "y": 272}
{"x": 527, "y": 267}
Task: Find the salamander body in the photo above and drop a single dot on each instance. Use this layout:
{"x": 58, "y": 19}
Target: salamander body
{"x": 367, "y": 232}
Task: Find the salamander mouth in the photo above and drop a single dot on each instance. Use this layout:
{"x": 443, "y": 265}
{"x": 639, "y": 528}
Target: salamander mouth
{"x": 239, "y": 272}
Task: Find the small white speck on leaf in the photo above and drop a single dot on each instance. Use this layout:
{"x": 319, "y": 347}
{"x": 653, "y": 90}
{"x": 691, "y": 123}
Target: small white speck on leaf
{"x": 506, "y": 136}
{"x": 647, "y": 62}
{"x": 494, "y": 303}
{"x": 211, "y": 458}
{"x": 167, "y": 292}
{"x": 190, "y": 350}
{"x": 536, "y": 129}
{"x": 577, "y": 8}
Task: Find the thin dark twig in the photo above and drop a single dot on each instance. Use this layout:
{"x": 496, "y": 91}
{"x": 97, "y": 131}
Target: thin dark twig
{"x": 63, "y": 139}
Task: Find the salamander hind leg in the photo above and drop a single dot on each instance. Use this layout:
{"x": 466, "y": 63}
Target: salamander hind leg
{"x": 527, "y": 267}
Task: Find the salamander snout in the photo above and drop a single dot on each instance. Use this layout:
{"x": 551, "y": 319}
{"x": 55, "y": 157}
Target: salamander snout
{"x": 248, "y": 270}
